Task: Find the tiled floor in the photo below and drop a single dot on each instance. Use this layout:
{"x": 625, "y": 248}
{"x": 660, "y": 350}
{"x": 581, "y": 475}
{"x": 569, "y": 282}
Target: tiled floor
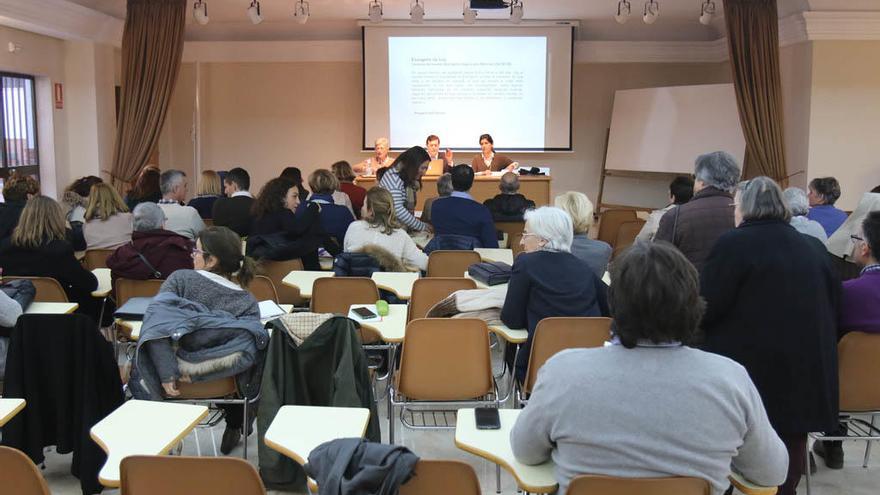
{"x": 438, "y": 444}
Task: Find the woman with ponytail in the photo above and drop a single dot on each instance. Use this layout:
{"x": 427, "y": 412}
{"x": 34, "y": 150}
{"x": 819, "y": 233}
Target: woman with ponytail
{"x": 218, "y": 282}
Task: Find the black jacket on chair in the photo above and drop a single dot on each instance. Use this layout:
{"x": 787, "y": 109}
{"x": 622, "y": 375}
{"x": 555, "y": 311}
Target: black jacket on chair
{"x": 66, "y": 371}
{"x": 771, "y": 305}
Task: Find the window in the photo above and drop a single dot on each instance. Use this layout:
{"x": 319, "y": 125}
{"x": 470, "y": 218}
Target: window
{"x": 18, "y": 122}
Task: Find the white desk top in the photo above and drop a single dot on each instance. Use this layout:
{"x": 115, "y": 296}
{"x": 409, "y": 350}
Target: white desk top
{"x": 509, "y": 334}
{"x": 392, "y": 327}
{"x": 142, "y": 427}
{"x": 51, "y": 308}
{"x": 481, "y": 285}
{"x": 494, "y": 445}
{"x": 303, "y": 280}
{"x": 502, "y": 255}
{"x": 326, "y": 263}
{"x": 104, "y": 283}
{"x": 9, "y": 408}
{"x": 297, "y": 430}
{"x": 400, "y": 283}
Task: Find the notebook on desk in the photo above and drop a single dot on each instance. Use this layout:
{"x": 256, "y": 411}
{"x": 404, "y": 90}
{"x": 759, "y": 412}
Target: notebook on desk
{"x": 133, "y": 309}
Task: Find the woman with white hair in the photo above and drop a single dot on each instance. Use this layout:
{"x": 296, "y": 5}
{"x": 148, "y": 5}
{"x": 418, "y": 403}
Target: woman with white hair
{"x": 380, "y": 159}
{"x": 799, "y": 205}
{"x": 547, "y": 280}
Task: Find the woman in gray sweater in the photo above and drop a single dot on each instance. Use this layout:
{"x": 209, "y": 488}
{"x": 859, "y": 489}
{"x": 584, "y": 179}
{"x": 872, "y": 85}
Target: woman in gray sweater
{"x": 649, "y": 406}
{"x": 221, "y": 272}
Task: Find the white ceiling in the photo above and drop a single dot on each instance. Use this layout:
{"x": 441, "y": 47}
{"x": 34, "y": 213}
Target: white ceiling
{"x": 337, "y": 19}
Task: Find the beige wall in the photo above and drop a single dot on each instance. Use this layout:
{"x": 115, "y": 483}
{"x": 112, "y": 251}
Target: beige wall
{"x": 265, "y": 116}
{"x": 795, "y": 67}
{"x": 845, "y": 116}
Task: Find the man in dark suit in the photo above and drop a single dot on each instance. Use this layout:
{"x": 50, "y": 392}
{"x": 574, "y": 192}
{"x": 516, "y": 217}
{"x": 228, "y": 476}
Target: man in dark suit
{"x": 510, "y": 205}
{"x": 234, "y": 211}
{"x": 460, "y": 214}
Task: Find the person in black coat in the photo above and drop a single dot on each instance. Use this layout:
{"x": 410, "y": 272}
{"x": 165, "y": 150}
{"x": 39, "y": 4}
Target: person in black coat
{"x": 275, "y": 220}
{"x": 39, "y": 248}
{"x": 772, "y": 300}
{"x": 510, "y": 205}
{"x": 16, "y": 191}
{"x": 234, "y": 211}
{"x": 547, "y": 280}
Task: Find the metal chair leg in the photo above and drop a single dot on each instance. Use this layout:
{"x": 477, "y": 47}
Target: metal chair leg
{"x": 868, "y": 446}
{"x": 244, "y": 427}
{"x": 808, "y": 466}
{"x": 497, "y": 478}
{"x": 390, "y": 416}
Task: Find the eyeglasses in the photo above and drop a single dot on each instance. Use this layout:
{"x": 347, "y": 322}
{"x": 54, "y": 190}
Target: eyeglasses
{"x": 196, "y": 251}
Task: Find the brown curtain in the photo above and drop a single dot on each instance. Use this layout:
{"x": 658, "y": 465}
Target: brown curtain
{"x": 152, "y": 46}
{"x": 753, "y": 40}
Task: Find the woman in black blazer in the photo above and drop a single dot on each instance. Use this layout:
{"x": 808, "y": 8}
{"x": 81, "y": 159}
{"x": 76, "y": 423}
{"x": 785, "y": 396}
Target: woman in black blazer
{"x": 772, "y": 300}
{"x": 39, "y": 247}
{"x": 547, "y": 280}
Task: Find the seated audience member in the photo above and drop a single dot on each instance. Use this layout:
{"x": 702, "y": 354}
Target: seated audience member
{"x": 16, "y": 191}
{"x": 146, "y": 188}
{"x": 799, "y": 205}
{"x": 10, "y": 310}
{"x": 547, "y": 280}
{"x": 344, "y": 173}
{"x": 403, "y": 179}
{"x": 648, "y": 405}
{"x": 380, "y": 228}
{"x": 184, "y": 220}
{"x": 295, "y": 175}
{"x": 234, "y": 211}
{"x": 771, "y": 305}
{"x": 107, "y": 220}
{"x": 841, "y": 246}
{"x": 510, "y": 205}
{"x": 860, "y": 300}
{"x": 444, "y": 189}
{"x": 39, "y": 247}
{"x": 208, "y": 191}
{"x": 335, "y": 218}
{"x": 76, "y": 198}
{"x": 164, "y": 251}
{"x": 681, "y": 190}
{"x": 218, "y": 282}
{"x": 593, "y": 252}
{"x": 276, "y": 213}
{"x": 379, "y": 160}
{"x": 824, "y": 192}
{"x": 695, "y": 226}
{"x": 460, "y": 214}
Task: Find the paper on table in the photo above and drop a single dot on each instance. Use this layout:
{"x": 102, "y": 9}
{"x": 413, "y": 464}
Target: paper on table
{"x": 268, "y": 309}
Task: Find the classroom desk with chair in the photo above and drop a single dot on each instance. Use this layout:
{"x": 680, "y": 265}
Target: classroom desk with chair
{"x": 304, "y": 280}
{"x": 51, "y": 308}
{"x": 398, "y": 283}
{"x": 142, "y": 427}
{"x": 105, "y": 286}
{"x": 9, "y": 408}
{"x": 496, "y": 254}
{"x": 392, "y": 327}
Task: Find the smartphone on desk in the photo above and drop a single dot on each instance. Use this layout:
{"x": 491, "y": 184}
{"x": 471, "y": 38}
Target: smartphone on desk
{"x": 487, "y": 418}
{"x": 365, "y": 313}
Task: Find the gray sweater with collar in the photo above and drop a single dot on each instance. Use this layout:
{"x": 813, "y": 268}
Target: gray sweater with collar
{"x": 648, "y": 412}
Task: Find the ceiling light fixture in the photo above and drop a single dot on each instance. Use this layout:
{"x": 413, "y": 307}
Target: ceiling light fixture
{"x": 301, "y": 12}
{"x": 200, "y": 12}
{"x": 516, "y": 11}
{"x": 253, "y": 12}
{"x": 707, "y": 12}
{"x": 375, "y": 11}
{"x": 652, "y": 12}
{"x": 469, "y": 14}
{"x": 417, "y": 12}
{"x": 624, "y": 9}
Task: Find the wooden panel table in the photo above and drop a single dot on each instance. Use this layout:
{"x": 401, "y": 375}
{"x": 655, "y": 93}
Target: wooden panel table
{"x": 51, "y": 308}
{"x": 494, "y": 445}
{"x": 304, "y": 280}
{"x": 536, "y": 188}
{"x": 9, "y": 408}
{"x": 496, "y": 254}
{"x": 399, "y": 283}
{"x": 142, "y": 427}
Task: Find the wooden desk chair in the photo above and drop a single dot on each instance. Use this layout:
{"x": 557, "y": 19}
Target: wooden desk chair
{"x": 606, "y": 485}
{"x": 459, "y": 347}
{"x": 48, "y": 289}
{"x": 511, "y": 229}
{"x": 337, "y": 294}
{"x": 858, "y": 361}
{"x": 609, "y": 223}
{"x": 209, "y": 222}
{"x": 557, "y": 334}
{"x": 263, "y": 289}
{"x": 20, "y": 476}
{"x": 426, "y": 292}
{"x": 97, "y": 258}
{"x": 276, "y": 271}
{"x": 127, "y": 288}
{"x": 441, "y": 478}
{"x": 626, "y": 236}
{"x": 451, "y": 263}
{"x": 176, "y": 475}
{"x": 514, "y": 243}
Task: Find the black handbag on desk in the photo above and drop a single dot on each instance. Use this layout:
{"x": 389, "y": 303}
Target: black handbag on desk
{"x": 490, "y": 272}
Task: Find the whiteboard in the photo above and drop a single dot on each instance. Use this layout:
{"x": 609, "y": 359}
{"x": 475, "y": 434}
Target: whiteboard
{"x": 665, "y": 129}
